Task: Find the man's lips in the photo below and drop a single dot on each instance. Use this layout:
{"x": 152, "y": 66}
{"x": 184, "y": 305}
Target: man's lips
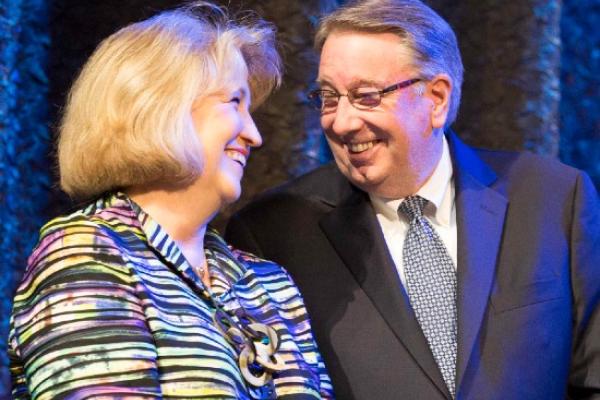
{"x": 360, "y": 147}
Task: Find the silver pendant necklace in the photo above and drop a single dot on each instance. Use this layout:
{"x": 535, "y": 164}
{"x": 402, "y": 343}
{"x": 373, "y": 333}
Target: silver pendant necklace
{"x": 256, "y": 343}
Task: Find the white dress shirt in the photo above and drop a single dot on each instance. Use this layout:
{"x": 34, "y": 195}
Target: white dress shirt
{"x": 440, "y": 212}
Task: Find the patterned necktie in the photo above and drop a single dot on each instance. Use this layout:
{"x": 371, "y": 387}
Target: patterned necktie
{"x": 431, "y": 286}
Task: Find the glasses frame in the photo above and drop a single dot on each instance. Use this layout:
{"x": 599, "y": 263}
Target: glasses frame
{"x": 315, "y": 96}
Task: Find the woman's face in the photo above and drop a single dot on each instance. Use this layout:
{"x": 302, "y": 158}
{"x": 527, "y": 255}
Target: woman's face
{"x": 227, "y": 133}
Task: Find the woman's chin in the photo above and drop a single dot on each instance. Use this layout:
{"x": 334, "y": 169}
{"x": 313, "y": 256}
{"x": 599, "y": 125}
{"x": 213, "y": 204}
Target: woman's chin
{"x": 231, "y": 195}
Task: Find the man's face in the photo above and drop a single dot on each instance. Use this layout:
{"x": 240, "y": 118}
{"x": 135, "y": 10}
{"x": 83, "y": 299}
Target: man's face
{"x": 392, "y": 149}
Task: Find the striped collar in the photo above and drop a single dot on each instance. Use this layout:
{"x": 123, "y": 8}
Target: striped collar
{"x": 225, "y": 268}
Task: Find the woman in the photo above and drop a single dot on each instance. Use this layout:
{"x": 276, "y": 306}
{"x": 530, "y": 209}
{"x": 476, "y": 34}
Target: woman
{"x": 133, "y": 296}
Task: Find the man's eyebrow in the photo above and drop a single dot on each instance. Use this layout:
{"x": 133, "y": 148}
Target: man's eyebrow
{"x": 354, "y": 83}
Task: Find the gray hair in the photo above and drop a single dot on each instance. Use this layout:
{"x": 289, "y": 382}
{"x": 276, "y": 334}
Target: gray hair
{"x": 427, "y": 35}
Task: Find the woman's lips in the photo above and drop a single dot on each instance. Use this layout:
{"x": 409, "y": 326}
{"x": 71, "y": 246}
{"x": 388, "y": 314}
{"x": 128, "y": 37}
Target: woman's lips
{"x": 238, "y": 155}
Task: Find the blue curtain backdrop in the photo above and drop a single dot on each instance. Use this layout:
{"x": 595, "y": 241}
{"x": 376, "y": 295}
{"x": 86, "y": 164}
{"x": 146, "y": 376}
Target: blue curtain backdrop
{"x": 580, "y": 86}
{"x": 24, "y": 145}
{"x": 561, "y": 119}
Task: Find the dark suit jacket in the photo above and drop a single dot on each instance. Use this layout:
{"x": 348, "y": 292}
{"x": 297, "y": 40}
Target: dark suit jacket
{"x": 528, "y": 281}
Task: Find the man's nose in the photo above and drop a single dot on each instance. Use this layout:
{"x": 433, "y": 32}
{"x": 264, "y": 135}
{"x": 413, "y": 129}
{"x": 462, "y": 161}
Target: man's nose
{"x": 346, "y": 118}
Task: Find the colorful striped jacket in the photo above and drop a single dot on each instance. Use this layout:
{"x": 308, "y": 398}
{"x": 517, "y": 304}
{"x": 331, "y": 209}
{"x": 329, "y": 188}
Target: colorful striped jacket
{"x": 109, "y": 308}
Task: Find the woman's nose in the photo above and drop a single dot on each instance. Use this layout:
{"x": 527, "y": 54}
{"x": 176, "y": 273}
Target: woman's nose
{"x": 250, "y": 133}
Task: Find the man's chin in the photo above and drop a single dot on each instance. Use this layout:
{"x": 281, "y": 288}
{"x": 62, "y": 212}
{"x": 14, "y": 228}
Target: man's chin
{"x": 376, "y": 185}
{"x": 365, "y": 179}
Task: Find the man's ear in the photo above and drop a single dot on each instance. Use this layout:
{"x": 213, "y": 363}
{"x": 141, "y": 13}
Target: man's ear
{"x": 438, "y": 90}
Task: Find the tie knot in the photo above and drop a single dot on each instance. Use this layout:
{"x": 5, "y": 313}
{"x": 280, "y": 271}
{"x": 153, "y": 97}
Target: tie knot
{"x": 413, "y": 206}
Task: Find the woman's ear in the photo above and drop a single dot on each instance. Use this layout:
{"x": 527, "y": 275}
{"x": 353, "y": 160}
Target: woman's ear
{"x": 438, "y": 90}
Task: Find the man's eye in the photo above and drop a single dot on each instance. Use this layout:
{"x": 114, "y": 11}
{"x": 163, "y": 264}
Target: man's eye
{"x": 329, "y": 99}
{"x": 367, "y": 98}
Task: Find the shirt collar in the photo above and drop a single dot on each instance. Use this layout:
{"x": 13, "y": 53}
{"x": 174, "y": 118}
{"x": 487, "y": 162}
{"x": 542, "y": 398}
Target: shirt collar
{"x": 157, "y": 238}
{"x": 437, "y": 190}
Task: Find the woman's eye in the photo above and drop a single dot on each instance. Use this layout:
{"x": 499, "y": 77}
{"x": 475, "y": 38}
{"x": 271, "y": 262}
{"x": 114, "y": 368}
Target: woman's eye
{"x": 236, "y": 100}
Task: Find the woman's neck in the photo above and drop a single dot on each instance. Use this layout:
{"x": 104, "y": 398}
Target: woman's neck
{"x": 183, "y": 213}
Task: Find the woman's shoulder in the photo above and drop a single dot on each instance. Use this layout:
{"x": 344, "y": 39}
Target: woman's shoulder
{"x": 111, "y": 212}
{"x": 80, "y": 254}
{"x": 256, "y": 263}
{"x": 100, "y": 230}
{"x": 272, "y": 276}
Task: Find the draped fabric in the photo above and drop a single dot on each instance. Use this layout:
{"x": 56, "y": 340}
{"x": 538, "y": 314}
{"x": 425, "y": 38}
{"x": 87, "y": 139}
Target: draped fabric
{"x": 24, "y": 146}
{"x": 580, "y": 86}
{"x": 532, "y": 82}
{"x": 511, "y": 52}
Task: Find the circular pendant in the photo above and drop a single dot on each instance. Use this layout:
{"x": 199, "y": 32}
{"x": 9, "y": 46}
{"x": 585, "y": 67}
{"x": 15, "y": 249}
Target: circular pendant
{"x": 266, "y": 348}
{"x": 247, "y": 358}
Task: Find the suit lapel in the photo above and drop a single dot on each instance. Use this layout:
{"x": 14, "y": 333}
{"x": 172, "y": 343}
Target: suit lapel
{"x": 480, "y": 213}
{"x": 353, "y": 231}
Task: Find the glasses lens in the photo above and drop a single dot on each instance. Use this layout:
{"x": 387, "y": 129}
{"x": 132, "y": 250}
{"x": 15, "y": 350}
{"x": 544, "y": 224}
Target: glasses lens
{"x": 329, "y": 100}
{"x": 323, "y": 100}
{"x": 366, "y": 98}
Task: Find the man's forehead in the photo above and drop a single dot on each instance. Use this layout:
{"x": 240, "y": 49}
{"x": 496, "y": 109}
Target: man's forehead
{"x": 355, "y": 60}
{"x": 360, "y": 41}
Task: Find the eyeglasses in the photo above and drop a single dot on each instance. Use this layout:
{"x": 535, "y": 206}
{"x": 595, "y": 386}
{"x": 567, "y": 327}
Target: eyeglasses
{"x": 363, "y": 98}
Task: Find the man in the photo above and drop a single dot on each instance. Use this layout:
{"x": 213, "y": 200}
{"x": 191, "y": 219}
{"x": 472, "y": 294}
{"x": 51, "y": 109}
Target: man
{"x": 431, "y": 270}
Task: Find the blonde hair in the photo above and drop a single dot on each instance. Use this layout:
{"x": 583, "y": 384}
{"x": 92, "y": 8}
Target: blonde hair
{"x": 128, "y": 116}
{"x": 425, "y": 34}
